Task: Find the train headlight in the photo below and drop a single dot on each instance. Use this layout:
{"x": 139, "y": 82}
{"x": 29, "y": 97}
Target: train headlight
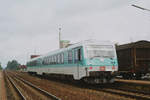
{"x": 91, "y": 67}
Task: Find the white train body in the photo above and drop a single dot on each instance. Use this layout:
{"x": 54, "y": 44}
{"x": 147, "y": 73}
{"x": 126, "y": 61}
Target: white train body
{"x": 91, "y": 60}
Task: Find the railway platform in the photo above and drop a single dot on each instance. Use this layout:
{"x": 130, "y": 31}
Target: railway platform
{"x": 2, "y": 87}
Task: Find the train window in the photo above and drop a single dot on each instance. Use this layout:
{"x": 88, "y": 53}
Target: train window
{"x": 58, "y": 58}
{"x": 62, "y": 58}
{"x": 106, "y": 51}
{"x": 46, "y": 60}
{"x": 52, "y": 59}
{"x": 77, "y": 55}
{"x": 49, "y": 60}
{"x": 55, "y": 59}
{"x": 69, "y": 56}
{"x": 43, "y": 62}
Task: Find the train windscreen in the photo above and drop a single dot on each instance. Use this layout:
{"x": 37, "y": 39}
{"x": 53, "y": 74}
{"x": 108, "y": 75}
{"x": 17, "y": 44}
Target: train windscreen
{"x": 105, "y": 51}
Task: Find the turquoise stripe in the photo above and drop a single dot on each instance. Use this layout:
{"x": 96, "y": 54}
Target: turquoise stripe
{"x": 103, "y": 62}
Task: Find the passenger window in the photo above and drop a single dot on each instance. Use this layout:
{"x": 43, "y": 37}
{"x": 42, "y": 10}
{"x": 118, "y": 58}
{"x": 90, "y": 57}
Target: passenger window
{"x": 48, "y": 60}
{"x": 62, "y": 58}
{"x": 52, "y": 59}
{"x": 55, "y": 59}
{"x": 58, "y": 57}
{"x": 70, "y": 57}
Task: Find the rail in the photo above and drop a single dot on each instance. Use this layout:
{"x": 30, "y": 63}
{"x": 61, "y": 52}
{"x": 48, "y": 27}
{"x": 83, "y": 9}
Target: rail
{"x": 49, "y": 95}
{"x": 134, "y": 95}
{"x": 15, "y": 86}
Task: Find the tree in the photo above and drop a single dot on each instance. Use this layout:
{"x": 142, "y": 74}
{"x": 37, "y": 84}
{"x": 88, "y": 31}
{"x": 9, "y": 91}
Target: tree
{"x": 12, "y": 65}
{"x": 0, "y": 67}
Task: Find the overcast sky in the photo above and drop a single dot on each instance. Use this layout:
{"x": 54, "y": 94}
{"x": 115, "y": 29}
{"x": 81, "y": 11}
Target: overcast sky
{"x": 31, "y": 26}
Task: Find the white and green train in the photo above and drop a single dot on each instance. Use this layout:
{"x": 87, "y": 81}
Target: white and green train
{"x": 92, "y": 61}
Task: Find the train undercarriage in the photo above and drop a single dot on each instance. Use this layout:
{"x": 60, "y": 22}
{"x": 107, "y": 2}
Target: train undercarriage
{"x": 100, "y": 77}
{"x": 95, "y": 77}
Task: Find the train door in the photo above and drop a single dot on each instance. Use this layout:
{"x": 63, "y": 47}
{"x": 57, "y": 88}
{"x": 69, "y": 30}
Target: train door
{"x": 78, "y": 60}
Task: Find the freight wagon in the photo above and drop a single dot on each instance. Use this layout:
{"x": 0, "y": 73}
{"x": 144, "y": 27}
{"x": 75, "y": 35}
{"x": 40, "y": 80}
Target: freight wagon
{"x": 134, "y": 59}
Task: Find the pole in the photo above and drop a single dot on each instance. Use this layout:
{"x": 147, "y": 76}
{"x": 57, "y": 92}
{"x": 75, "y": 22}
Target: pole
{"x": 59, "y": 37}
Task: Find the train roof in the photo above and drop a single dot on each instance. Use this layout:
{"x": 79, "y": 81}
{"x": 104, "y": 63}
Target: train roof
{"x": 89, "y": 42}
{"x": 73, "y": 46}
{"x": 137, "y": 44}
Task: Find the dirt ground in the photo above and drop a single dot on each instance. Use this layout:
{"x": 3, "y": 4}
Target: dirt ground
{"x": 2, "y": 87}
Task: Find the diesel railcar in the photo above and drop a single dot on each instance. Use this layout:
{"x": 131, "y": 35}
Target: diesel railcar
{"x": 134, "y": 59}
{"x": 92, "y": 61}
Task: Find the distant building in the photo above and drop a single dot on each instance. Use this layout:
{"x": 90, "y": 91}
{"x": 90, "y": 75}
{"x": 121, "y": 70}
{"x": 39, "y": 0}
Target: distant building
{"x": 22, "y": 67}
{"x": 34, "y": 56}
{"x": 64, "y": 43}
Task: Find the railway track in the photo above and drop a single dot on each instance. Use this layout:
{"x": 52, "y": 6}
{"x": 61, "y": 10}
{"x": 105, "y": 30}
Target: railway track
{"x": 127, "y": 93}
{"x": 19, "y": 95}
{"x": 113, "y": 89}
{"x": 26, "y": 90}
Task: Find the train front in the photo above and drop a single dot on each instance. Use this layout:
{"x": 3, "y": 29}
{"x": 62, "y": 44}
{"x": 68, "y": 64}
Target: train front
{"x": 101, "y": 62}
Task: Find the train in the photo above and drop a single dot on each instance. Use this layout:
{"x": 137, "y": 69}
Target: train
{"x": 134, "y": 59}
{"x": 91, "y": 61}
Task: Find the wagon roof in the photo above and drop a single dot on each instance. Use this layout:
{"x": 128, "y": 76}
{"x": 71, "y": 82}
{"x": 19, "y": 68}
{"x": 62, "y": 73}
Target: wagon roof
{"x": 137, "y": 44}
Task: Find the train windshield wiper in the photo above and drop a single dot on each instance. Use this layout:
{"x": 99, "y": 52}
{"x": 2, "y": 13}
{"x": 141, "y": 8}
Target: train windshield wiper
{"x": 96, "y": 56}
{"x": 106, "y": 56}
